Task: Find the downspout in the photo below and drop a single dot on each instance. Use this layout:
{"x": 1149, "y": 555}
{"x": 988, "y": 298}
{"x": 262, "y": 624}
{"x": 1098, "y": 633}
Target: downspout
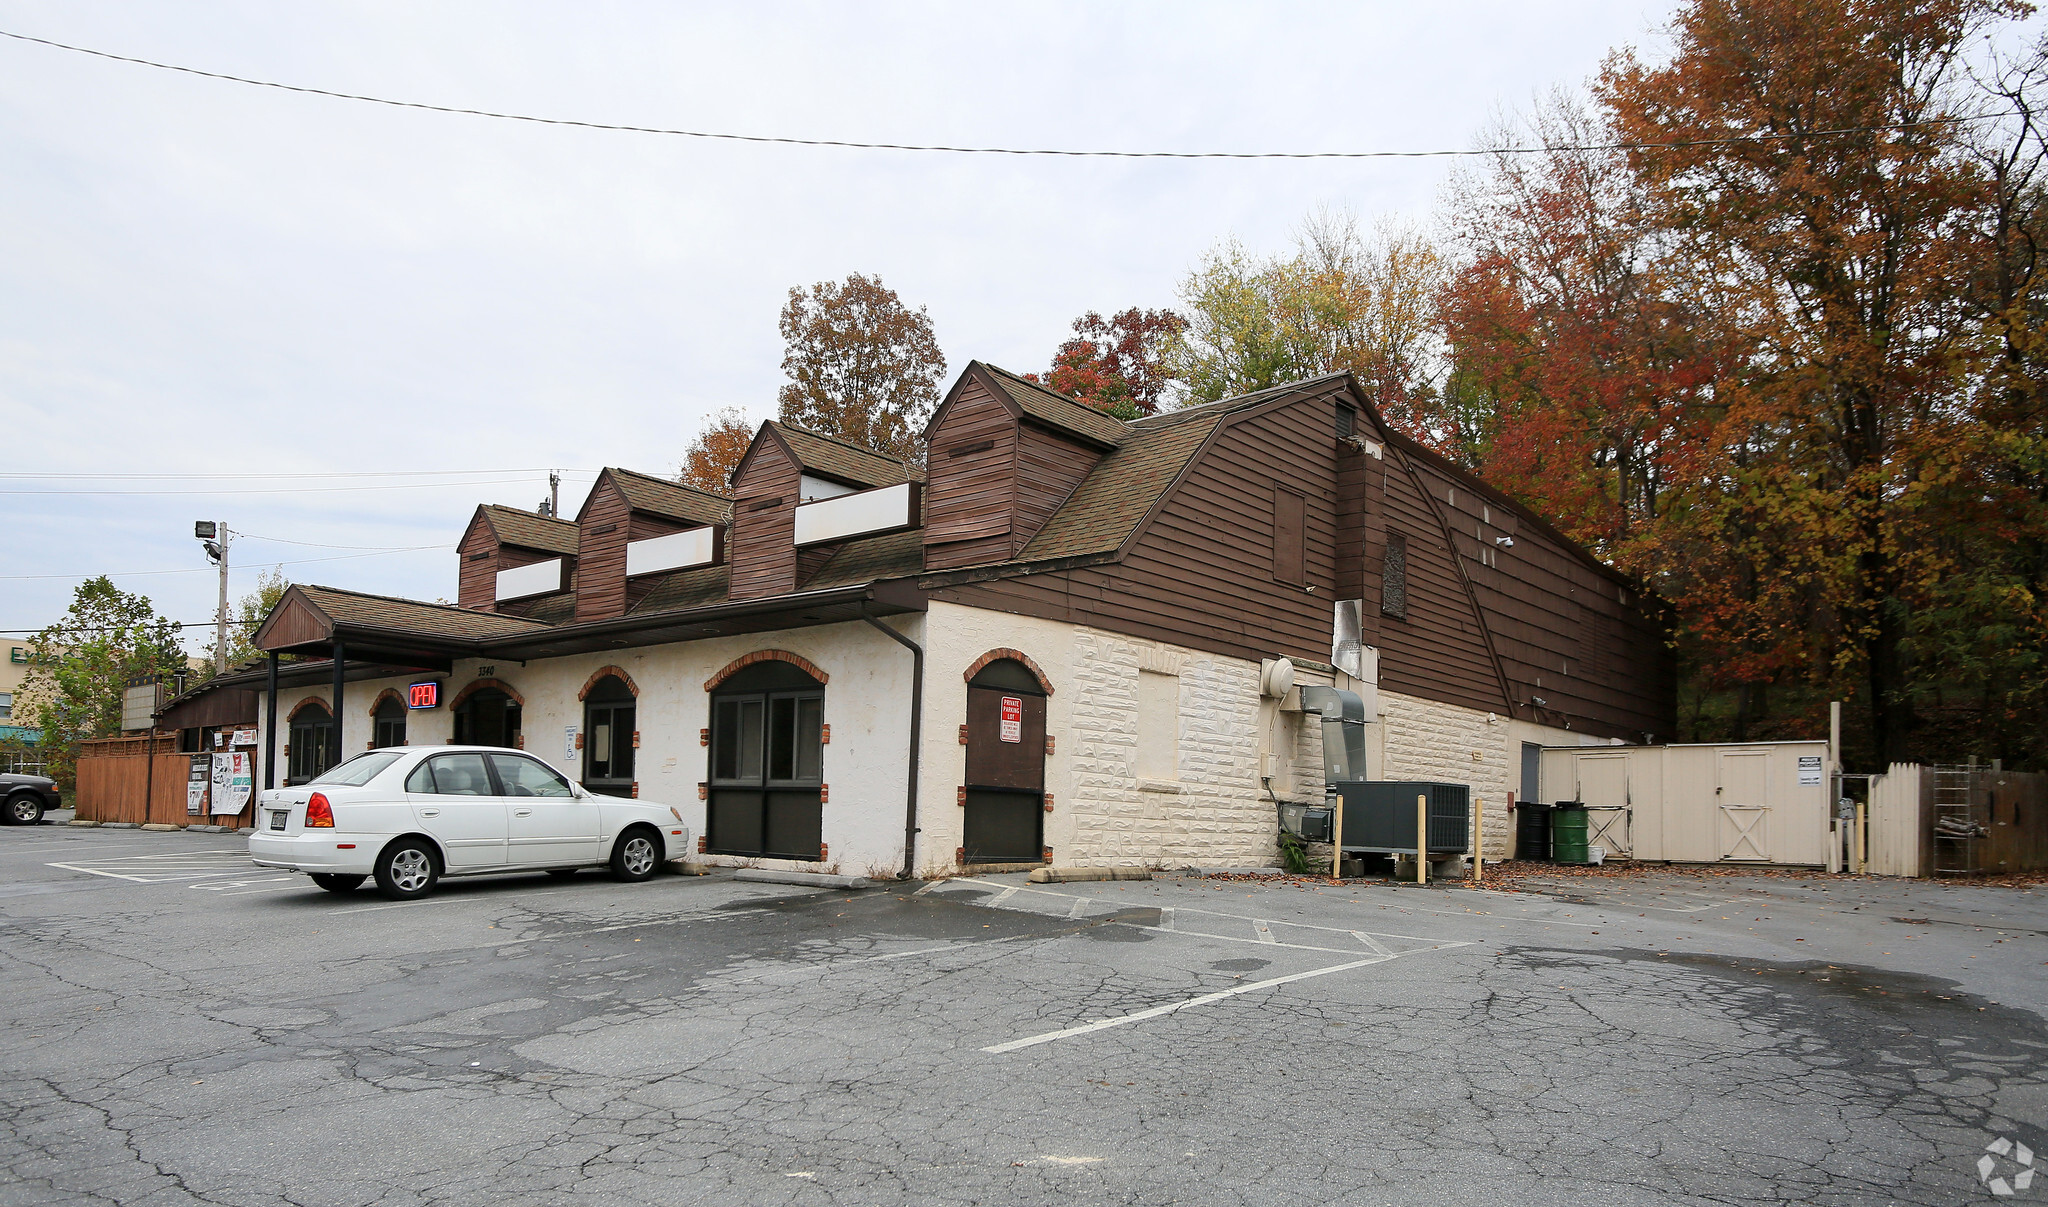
{"x": 916, "y": 737}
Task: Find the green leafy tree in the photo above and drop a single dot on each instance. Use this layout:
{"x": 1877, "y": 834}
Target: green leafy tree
{"x": 80, "y": 665}
{"x": 255, "y": 608}
{"x": 1342, "y": 301}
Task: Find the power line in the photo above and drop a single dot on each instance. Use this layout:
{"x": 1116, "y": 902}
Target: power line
{"x": 362, "y": 473}
{"x": 848, "y": 144}
{"x": 280, "y": 490}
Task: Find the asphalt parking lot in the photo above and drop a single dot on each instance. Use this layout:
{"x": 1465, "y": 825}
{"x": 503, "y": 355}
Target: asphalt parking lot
{"x": 183, "y": 1027}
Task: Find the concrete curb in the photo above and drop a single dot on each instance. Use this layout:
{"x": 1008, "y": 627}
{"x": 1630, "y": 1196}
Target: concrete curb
{"x": 807, "y": 879}
{"x": 160, "y": 827}
{"x": 83, "y": 823}
{"x": 1076, "y": 875}
{"x": 119, "y": 825}
{"x": 212, "y": 829}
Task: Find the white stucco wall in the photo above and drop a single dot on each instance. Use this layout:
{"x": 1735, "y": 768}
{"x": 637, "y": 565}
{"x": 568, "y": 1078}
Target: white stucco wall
{"x": 866, "y": 703}
{"x": 1214, "y": 812}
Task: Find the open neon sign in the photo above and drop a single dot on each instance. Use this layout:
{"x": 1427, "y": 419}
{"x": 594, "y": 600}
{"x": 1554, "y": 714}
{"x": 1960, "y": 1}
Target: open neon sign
{"x": 423, "y": 695}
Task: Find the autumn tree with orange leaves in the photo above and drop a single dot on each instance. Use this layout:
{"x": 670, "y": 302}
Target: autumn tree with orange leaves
{"x": 1783, "y": 358}
{"x": 709, "y": 462}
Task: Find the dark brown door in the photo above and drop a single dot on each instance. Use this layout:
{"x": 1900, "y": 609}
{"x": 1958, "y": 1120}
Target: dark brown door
{"x": 767, "y": 764}
{"x": 1005, "y": 767}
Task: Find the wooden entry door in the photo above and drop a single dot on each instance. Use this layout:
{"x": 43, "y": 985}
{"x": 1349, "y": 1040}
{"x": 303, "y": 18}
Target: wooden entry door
{"x": 1005, "y": 797}
{"x": 767, "y": 764}
{"x": 1745, "y": 801}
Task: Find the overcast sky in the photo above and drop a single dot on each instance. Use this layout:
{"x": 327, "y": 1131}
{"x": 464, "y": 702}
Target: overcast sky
{"x": 204, "y": 278}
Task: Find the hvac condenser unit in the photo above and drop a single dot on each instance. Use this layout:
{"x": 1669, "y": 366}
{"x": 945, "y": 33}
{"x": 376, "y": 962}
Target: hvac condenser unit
{"x": 1379, "y": 816}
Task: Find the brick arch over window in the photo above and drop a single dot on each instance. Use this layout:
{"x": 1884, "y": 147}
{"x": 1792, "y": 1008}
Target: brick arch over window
{"x": 480, "y": 685}
{"x": 616, "y": 672}
{"x": 746, "y": 660}
{"x": 981, "y": 664}
{"x": 389, "y": 693}
{"x": 297, "y": 708}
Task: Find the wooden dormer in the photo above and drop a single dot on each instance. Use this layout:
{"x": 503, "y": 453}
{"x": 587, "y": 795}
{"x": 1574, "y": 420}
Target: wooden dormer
{"x": 506, "y": 538}
{"x": 624, "y": 509}
{"x": 785, "y": 467}
{"x": 1003, "y": 455}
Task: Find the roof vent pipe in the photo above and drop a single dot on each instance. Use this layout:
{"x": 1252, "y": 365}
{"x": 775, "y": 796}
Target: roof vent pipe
{"x": 1343, "y": 716}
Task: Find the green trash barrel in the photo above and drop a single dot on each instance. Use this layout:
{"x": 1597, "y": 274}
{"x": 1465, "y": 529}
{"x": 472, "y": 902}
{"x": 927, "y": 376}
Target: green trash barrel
{"x": 1568, "y": 836}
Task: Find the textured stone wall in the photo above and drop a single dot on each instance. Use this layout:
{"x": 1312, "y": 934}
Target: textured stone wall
{"x": 1211, "y": 812}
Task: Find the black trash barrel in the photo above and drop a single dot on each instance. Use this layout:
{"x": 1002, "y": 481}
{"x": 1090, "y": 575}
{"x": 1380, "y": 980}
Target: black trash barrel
{"x": 1532, "y": 832}
{"x": 1568, "y": 830}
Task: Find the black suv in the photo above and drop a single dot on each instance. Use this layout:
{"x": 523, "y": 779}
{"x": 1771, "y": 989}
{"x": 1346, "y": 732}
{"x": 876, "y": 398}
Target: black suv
{"x": 28, "y": 796}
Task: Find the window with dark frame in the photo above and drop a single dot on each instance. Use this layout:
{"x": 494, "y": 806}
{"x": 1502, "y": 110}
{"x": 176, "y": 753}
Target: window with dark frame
{"x": 389, "y": 724}
{"x": 608, "y": 720}
{"x": 1394, "y": 578}
{"x": 767, "y": 763}
{"x": 312, "y": 742}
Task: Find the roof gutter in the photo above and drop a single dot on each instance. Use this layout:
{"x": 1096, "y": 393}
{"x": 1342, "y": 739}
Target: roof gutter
{"x": 916, "y": 738}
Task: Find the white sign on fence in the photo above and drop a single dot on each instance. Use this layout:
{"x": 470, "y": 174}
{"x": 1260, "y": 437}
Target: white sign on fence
{"x": 231, "y": 781}
{"x": 1809, "y": 771}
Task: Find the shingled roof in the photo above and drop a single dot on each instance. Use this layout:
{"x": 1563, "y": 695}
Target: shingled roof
{"x": 685, "y": 589}
{"x": 358, "y": 608}
{"x": 836, "y": 458}
{"x": 1057, "y": 410}
{"x": 530, "y": 531}
{"x": 671, "y": 500}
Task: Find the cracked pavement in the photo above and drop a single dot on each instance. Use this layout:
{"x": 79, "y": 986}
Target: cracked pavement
{"x": 233, "y": 1038}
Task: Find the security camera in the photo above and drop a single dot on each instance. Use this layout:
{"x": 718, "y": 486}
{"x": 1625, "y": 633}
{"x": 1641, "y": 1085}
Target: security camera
{"x": 1505, "y": 542}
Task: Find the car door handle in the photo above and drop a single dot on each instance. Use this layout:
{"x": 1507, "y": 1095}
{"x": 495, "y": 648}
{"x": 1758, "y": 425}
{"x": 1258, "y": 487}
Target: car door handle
{"x": 430, "y": 813}
{"x": 522, "y": 813}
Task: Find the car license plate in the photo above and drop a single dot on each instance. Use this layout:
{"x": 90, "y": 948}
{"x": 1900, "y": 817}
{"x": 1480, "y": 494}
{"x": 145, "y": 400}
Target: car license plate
{"x": 277, "y": 818}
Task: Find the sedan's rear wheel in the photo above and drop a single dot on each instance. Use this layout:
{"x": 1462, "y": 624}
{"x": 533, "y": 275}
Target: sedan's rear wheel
{"x": 637, "y": 854}
{"x": 334, "y": 883}
{"x": 25, "y": 809}
{"x": 407, "y": 869}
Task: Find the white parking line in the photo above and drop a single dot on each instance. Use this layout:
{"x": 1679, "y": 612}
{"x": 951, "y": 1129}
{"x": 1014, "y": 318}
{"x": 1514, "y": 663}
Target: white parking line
{"x": 1265, "y": 932}
{"x": 1160, "y": 1011}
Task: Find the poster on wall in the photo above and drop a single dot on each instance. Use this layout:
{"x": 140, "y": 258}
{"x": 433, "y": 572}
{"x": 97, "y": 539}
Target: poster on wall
{"x": 195, "y": 784}
{"x": 245, "y": 737}
{"x": 230, "y": 782}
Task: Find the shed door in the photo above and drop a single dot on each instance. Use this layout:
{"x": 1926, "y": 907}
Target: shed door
{"x": 1005, "y": 800}
{"x": 1745, "y": 800}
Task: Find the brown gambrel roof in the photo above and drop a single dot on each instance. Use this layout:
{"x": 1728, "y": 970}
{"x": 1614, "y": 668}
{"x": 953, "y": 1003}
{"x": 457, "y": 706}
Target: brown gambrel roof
{"x": 837, "y": 459}
{"x": 357, "y": 608}
{"x": 530, "y": 531}
{"x": 670, "y": 500}
{"x": 1057, "y": 410}
{"x": 684, "y": 589}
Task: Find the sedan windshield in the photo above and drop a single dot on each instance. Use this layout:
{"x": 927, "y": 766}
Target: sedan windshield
{"x": 359, "y": 770}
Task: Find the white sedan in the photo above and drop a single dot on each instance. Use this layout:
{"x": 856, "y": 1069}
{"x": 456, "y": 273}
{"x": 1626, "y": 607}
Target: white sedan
{"x": 409, "y": 816}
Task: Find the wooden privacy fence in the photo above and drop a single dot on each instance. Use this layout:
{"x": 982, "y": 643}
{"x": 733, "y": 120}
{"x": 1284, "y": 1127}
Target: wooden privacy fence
{"x": 117, "y": 782}
{"x": 1996, "y": 822}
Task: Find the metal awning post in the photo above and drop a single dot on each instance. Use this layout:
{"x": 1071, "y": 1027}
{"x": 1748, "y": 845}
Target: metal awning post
{"x": 339, "y": 654}
{"x": 270, "y": 727}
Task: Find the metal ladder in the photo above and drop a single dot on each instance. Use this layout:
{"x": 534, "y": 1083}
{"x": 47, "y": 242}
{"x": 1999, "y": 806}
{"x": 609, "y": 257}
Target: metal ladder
{"x": 1956, "y": 827}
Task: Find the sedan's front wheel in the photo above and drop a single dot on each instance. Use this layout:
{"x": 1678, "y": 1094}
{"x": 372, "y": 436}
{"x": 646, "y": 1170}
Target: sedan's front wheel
{"x": 637, "y": 854}
{"x": 407, "y": 870}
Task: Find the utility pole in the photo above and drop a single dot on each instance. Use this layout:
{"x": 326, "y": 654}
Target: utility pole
{"x": 554, "y": 495}
{"x": 216, "y": 538}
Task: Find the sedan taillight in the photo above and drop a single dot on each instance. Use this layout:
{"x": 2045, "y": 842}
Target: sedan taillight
{"x": 319, "y": 814}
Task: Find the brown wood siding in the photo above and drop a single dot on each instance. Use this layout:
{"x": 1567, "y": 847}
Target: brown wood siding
{"x": 762, "y": 547}
{"x": 970, "y": 491}
{"x": 477, "y": 578}
{"x": 1290, "y": 509}
{"x": 1049, "y": 467}
{"x": 603, "y": 528}
{"x": 1201, "y": 576}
